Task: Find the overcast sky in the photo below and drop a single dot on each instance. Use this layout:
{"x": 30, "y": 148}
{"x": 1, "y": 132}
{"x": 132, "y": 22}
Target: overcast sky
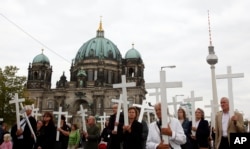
{"x": 165, "y": 32}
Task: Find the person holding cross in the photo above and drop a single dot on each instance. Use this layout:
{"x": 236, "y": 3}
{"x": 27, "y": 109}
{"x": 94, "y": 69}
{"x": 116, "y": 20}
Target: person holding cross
{"x": 115, "y": 136}
{"x": 174, "y": 131}
{"x": 132, "y": 133}
{"x": 24, "y": 134}
{"x": 226, "y": 124}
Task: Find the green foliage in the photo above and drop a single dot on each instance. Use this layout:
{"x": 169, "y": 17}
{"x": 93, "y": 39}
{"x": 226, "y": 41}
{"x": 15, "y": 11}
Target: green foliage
{"x": 10, "y": 84}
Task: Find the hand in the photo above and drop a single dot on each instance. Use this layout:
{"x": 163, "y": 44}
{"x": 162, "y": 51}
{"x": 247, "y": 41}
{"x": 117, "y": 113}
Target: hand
{"x": 234, "y": 119}
{"x": 166, "y": 131}
{"x": 194, "y": 128}
{"x": 163, "y": 146}
{"x": 114, "y": 132}
{"x": 127, "y": 128}
{"x": 193, "y": 137}
{"x": 19, "y": 132}
{"x": 116, "y": 123}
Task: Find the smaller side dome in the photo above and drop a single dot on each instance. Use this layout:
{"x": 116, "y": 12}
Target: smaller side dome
{"x": 132, "y": 53}
{"x": 41, "y": 58}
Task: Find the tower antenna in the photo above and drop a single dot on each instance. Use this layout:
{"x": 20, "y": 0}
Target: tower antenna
{"x": 209, "y": 30}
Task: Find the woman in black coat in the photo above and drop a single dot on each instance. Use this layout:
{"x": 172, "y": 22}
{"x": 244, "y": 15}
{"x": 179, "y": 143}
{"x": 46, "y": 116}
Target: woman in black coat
{"x": 47, "y": 137}
{"x": 201, "y": 129}
{"x": 132, "y": 133}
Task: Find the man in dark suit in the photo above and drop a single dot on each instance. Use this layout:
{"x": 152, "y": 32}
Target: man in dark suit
{"x": 25, "y": 138}
{"x": 226, "y": 124}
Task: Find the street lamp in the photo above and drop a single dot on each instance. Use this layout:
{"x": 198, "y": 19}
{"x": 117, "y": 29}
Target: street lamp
{"x": 171, "y": 66}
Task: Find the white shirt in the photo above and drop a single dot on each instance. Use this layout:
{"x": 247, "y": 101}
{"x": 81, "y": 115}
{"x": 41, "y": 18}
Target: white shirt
{"x": 225, "y": 120}
{"x": 178, "y": 137}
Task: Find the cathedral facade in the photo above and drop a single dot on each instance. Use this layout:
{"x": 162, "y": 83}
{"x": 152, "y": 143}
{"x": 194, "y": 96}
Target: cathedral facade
{"x": 98, "y": 65}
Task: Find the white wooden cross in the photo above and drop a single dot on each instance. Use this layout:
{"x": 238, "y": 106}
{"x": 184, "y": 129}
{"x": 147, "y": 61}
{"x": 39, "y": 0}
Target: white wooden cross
{"x": 192, "y": 101}
{"x": 163, "y": 85}
{"x": 67, "y": 116}
{"x": 120, "y": 101}
{"x": 148, "y": 111}
{"x": 59, "y": 113}
{"x": 124, "y": 86}
{"x": 16, "y": 101}
{"x": 185, "y": 105}
{"x": 175, "y": 103}
{"x": 103, "y": 120}
{"x": 143, "y": 107}
{"x": 229, "y": 77}
{"x": 156, "y": 94}
{"x": 82, "y": 112}
{"x": 35, "y": 112}
{"x": 23, "y": 111}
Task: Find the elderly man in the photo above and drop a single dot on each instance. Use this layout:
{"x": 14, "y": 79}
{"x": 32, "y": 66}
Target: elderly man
{"x": 92, "y": 135}
{"x": 25, "y": 138}
{"x": 226, "y": 124}
{"x": 174, "y": 130}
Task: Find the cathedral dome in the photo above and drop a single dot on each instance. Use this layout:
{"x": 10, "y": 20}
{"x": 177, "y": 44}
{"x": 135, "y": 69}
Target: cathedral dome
{"x": 41, "y": 58}
{"x": 98, "y": 47}
{"x": 132, "y": 53}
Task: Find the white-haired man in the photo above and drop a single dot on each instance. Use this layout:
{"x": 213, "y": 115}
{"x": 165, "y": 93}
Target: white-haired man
{"x": 174, "y": 130}
{"x": 25, "y": 138}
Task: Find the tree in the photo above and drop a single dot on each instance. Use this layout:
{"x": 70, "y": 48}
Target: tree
{"x": 10, "y": 84}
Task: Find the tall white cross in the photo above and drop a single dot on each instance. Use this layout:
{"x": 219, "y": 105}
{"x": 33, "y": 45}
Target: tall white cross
{"x": 175, "y": 103}
{"x": 229, "y": 77}
{"x": 124, "y": 86}
{"x": 67, "y": 116}
{"x": 35, "y": 112}
{"x": 120, "y": 101}
{"x": 156, "y": 94}
{"x": 143, "y": 107}
{"x": 148, "y": 111}
{"x": 59, "y": 113}
{"x": 163, "y": 85}
{"x": 103, "y": 120}
{"x": 16, "y": 101}
{"x": 82, "y": 112}
{"x": 185, "y": 105}
{"x": 192, "y": 100}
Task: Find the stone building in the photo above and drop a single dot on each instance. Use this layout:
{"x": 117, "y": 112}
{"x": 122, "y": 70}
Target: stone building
{"x": 98, "y": 65}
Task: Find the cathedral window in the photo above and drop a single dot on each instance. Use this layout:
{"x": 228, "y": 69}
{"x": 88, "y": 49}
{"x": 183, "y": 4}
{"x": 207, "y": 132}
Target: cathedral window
{"x": 50, "y": 104}
{"x": 131, "y": 72}
{"x": 35, "y": 75}
{"x": 110, "y": 54}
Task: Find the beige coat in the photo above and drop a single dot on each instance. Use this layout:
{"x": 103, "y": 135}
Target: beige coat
{"x": 232, "y": 128}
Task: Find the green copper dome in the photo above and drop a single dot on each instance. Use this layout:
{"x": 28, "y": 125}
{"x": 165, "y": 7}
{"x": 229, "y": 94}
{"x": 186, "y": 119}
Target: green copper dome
{"x": 98, "y": 47}
{"x": 41, "y": 58}
{"x": 132, "y": 53}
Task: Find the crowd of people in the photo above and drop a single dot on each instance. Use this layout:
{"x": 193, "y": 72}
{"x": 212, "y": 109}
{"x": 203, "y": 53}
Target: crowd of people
{"x": 180, "y": 132}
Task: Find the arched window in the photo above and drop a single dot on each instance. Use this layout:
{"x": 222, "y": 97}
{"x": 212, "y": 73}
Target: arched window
{"x": 131, "y": 72}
